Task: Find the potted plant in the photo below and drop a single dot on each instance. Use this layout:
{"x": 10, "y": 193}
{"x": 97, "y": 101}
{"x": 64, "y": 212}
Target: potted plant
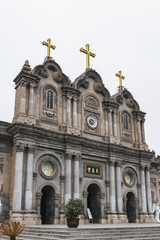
{"x": 11, "y": 229}
{"x": 73, "y": 209}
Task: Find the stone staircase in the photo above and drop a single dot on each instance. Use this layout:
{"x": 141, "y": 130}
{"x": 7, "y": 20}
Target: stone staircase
{"x": 86, "y": 233}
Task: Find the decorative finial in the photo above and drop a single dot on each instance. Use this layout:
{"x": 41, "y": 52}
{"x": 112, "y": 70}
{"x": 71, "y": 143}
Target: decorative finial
{"x": 26, "y": 66}
{"x": 119, "y": 74}
{"x": 88, "y": 54}
{"x": 49, "y": 46}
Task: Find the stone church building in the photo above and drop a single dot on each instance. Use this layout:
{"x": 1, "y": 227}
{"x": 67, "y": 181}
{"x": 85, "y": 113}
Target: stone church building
{"x": 74, "y": 140}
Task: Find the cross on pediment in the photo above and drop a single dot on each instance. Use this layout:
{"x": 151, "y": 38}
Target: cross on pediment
{"x": 88, "y": 54}
{"x": 49, "y": 46}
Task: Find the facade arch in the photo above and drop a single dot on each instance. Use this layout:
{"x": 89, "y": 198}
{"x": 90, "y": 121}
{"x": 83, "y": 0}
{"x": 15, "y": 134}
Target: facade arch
{"x": 47, "y": 183}
{"x": 92, "y": 182}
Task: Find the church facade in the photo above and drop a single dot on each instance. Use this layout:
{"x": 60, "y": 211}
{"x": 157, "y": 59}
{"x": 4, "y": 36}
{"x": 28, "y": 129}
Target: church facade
{"x": 74, "y": 140}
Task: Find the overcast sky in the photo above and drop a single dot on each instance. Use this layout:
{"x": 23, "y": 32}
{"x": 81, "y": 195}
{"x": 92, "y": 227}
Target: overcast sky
{"x": 124, "y": 34}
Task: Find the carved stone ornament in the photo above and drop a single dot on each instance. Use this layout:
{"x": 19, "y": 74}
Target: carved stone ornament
{"x": 91, "y": 102}
{"x": 129, "y": 177}
{"x": 52, "y": 69}
{"x": 48, "y": 167}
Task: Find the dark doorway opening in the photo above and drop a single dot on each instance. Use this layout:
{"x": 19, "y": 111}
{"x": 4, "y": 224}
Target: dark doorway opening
{"x": 131, "y": 207}
{"x": 94, "y": 202}
{"x": 47, "y": 205}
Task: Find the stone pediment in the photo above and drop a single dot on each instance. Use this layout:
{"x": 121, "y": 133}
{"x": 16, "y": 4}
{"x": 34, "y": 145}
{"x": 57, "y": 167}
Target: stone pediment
{"x": 126, "y": 96}
{"x": 81, "y": 82}
{"x": 51, "y": 69}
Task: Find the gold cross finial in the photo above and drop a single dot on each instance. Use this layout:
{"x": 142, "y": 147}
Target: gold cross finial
{"x": 88, "y": 54}
{"x": 49, "y": 46}
{"x": 119, "y": 74}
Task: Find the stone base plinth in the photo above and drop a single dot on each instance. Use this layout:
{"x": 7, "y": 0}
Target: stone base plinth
{"x": 112, "y": 218}
{"x": 122, "y": 218}
{"x": 147, "y": 218}
{"x": 29, "y": 217}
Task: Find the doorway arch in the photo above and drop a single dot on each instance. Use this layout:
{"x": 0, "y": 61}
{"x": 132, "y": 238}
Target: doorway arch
{"x": 131, "y": 207}
{"x": 48, "y": 205}
{"x": 94, "y": 202}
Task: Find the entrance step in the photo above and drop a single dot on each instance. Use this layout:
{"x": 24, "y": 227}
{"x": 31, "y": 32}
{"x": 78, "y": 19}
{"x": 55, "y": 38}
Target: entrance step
{"x": 44, "y": 232}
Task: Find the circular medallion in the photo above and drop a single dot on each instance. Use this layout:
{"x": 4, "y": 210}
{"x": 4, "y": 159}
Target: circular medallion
{"x": 92, "y": 121}
{"x": 129, "y": 177}
{"x": 47, "y": 168}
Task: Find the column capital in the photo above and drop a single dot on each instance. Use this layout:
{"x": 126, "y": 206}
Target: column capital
{"x": 62, "y": 178}
{"x": 75, "y": 99}
{"x": 107, "y": 183}
{"x": 85, "y": 194}
{"x": 142, "y": 167}
{"x": 110, "y": 110}
{"x": 139, "y": 185}
{"x": 148, "y": 168}
{"x": 77, "y": 157}
{"x": 56, "y": 196}
{"x": 24, "y": 84}
{"x": 111, "y": 163}
{"x": 102, "y": 195}
{"x": 31, "y": 149}
{"x": 39, "y": 195}
{"x": 20, "y": 147}
{"x": 68, "y": 155}
{"x": 69, "y": 97}
{"x": 118, "y": 164}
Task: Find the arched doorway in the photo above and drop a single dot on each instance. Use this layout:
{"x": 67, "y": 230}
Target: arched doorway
{"x": 47, "y": 205}
{"x": 131, "y": 207}
{"x": 94, "y": 202}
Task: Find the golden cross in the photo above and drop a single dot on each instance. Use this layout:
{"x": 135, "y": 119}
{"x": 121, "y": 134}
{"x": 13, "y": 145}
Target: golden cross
{"x": 119, "y": 74}
{"x": 88, "y": 54}
{"x": 49, "y": 46}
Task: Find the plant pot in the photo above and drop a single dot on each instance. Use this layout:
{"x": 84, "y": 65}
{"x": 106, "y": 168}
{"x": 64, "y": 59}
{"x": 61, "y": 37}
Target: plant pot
{"x": 72, "y": 223}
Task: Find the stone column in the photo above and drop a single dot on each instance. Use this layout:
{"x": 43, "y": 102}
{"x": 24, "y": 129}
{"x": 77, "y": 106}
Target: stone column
{"x": 17, "y": 191}
{"x": 143, "y": 131}
{"x": 38, "y": 196}
{"x": 110, "y": 122}
{"x": 74, "y": 112}
{"x": 69, "y": 110}
{"x": 23, "y": 98}
{"x": 68, "y": 162}
{"x": 1, "y": 173}
{"x": 119, "y": 190}
{"x": 64, "y": 109}
{"x": 106, "y": 116}
{"x": 148, "y": 188}
{"x": 139, "y": 195}
{"x": 31, "y": 100}
{"x": 56, "y": 199}
{"x": 112, "y": 188}
{"x": 85, "y": 195}
{"x": 62, "y": 182}
{"x": 76, "y": 177}
{"x": 79, "y": 113}
{"x": 139, "y": 130}
{"x": 143, "y": 190}
{"x": 115, "y": 123}
{"x": 29, "y": 179}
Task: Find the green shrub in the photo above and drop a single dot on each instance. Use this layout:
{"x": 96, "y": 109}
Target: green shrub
{"x": 74, "y": 208}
